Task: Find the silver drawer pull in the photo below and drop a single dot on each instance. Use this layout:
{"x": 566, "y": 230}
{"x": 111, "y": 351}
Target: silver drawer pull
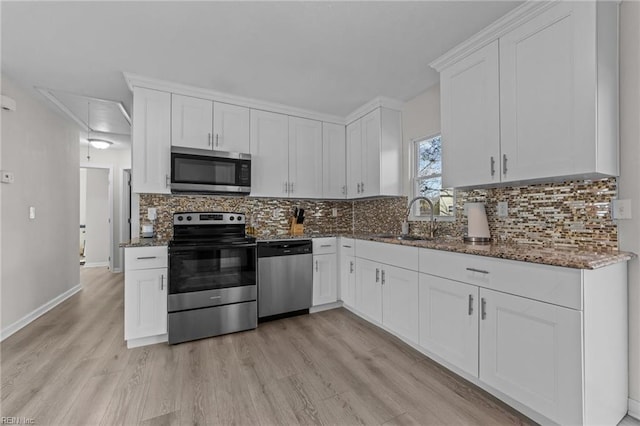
{"x": 325, "y": 245}
{"x": 215, "y": 297}
{"x": 147, "y": 257}
{"x": 477, "y": 270}
{"x": 345, "y": 246}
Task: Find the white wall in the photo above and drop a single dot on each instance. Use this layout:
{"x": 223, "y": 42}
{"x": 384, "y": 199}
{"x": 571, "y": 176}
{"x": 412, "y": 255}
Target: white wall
{"x": 420, "y": 118}
{"x": 40, "y": 256}
{"x": 629, "y": 182}
{"x": 97, "y": 215}
{"x": 119, "y": 159}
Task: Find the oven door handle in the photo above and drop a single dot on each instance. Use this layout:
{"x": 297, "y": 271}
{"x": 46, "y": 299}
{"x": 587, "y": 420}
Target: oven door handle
{"x": 208, "y": 246}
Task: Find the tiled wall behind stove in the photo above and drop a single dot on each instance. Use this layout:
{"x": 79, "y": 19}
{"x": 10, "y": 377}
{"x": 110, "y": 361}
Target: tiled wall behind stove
{"x": 318, "y": 214}
{"x": 567, "y": 214}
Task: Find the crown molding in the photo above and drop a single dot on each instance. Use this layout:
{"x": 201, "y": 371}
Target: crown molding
{"x": 494, "y": 31}
{"x": 135, "y": 80}
{"x": 378, "y": 102}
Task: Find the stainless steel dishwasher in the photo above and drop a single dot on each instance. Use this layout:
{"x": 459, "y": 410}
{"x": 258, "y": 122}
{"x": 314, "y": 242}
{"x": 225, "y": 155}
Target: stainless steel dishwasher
{"x": 285, "y": 277}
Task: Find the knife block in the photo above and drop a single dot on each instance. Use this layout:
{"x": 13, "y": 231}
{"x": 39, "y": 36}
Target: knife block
{"x": 296, "y": 228}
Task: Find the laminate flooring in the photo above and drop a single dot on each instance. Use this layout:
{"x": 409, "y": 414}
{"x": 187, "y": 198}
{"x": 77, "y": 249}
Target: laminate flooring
{"x": 71, "y": 367}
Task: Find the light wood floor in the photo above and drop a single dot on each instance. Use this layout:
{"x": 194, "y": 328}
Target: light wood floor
{"x": 71, "y": 366}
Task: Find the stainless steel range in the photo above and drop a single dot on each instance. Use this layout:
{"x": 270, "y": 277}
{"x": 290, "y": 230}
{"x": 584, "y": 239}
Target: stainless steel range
{"x": 212, "y": 276}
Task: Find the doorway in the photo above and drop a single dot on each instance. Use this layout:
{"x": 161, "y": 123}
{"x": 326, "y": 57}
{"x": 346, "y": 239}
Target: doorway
{"x": 96, "y": 207}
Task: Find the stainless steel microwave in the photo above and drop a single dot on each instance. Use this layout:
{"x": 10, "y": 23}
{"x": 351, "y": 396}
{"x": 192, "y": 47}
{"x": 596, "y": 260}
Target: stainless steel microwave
{"x": 203, "y": 171}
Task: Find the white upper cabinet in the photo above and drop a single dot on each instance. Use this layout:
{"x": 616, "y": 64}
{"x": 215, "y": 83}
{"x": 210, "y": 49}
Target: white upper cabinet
{"x": 269, "y": 154}
{"x": 374, "y": 148}
{"x": 151, "y": 141}
{"x": 471, "y": 119}
{"x": 558, "y": 97}
{"x": 191, "y": 122}
{"x": 305, "y": 158}
{"x": 203, "y": 124}
{"x": 231, "y": 124}
{"x": 334, "y": 179}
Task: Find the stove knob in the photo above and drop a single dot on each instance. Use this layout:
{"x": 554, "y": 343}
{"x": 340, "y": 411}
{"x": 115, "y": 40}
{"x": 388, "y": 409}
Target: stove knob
{"x": 180, "y": 218}
{"x": 231, "y": 217}
{"x": 189, "y": 218}
{"x": 239, "y": 218}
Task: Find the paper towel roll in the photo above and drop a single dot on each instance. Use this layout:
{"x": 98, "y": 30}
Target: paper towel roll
{"x": 478, "y": 224}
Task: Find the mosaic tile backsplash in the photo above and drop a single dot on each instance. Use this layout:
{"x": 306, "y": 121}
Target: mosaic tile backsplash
{"x": 569, "y": 214}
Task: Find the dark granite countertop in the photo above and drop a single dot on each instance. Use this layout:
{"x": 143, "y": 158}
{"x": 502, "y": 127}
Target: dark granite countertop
{"x": 145, "y": 242}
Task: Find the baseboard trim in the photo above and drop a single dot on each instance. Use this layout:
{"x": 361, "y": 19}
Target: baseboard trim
{"x": 144, "y": 341}
{"x": 634, "y": 409}
{"x": 116, "y": 270}
{"x": 96, "y": 264}
{"x": 27, "y": 319}
{"x": 325, "y": 307}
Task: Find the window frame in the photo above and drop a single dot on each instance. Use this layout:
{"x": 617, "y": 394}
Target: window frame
{"x": 415, "y": 179}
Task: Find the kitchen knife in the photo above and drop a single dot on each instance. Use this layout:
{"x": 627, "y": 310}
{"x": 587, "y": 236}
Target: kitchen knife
{"x": 300, "y": 218}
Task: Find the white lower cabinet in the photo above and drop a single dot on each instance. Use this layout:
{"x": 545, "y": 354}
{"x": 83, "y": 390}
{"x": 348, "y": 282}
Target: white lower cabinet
{"x": 325, "y": 277}
{"x": 449, "y": 321}
{"x": 145, "y": 294}
{"x": 369, "y": 289}
{"x": 400, "y": 301}
{"x": 532, "y": 351}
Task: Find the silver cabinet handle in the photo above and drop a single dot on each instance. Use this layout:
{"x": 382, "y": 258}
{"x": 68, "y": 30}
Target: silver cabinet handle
{"x": 147, "y": 257}
{"x": 215, "y": 297}
{"x": 351, "y": 267}
{"x": 344, "y": 189}
{"x": 377, "y": 275}
{"x": 504, "y": 164}
{"x": 493, "y": 166}
{"x": 470, "y": 304}
{"x": 291, "y": 190}
{"x": 362, "y": 187}
{"x": 167, "y": 181}
{"x": 209, "y": 139}
{"x": 383, "y": 280}
{"x": 481, "y": 271}
{"x": 483, "y": 308}
{"x": 161, "y": 282}
{"x": 316, "y": 266}
{"x": 217, "y": 139}
{"x": 358, "y": 188}
{"x": 325, "y": 245}
{"x": 346, "y": 246}
{"x": 285, "y": 187}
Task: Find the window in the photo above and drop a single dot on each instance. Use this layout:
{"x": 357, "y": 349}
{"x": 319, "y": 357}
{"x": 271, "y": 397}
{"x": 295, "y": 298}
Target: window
{"x": 428, "y": 180}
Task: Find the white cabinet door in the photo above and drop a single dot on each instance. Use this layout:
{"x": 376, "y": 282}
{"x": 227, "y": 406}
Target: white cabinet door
{"x": 400, "y": 301}
{"x": 470, "y": 101}
{"x": 145, "y": 307}
{"x": 532, "y": 351}
{"x": 231, "y": 124}
{"x": 548, "y": 93}
{"x": 269, "y": 154}
{"x": 305, "y": 158}
{"x": 354, "y": 159}
{"x": 369, "y": 289}
{"x": 151, "y": 141}
{"x": 449, "y": 321}
{"x": 334, "y": 179}
{"x": 191, "y": 122}
{"x": 348, "y": 280}
{"x": 325, "y": 283}
{"x": 371, "y": 153}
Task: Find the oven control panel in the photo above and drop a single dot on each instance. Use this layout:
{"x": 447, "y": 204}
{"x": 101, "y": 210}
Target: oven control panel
{"x": 204, "y": 218}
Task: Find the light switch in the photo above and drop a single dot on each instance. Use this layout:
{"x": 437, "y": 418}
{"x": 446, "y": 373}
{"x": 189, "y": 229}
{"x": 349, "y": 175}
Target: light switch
{"x": 32, "y": 212}
{"x": 152, "y": 213}
{"x": 503, "y": 209}
{"x": 334, "y": 212}
{"x": 621, "y": 209}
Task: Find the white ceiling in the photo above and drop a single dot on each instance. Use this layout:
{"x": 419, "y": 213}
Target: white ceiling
{"x": 329, "y": 57}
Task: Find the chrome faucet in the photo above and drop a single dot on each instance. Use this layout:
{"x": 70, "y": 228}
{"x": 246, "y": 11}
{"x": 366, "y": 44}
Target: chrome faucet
{"x": 432, "y": 224}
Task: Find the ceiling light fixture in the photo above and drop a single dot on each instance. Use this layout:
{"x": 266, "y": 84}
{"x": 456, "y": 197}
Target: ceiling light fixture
{"x": 99, "y": 143}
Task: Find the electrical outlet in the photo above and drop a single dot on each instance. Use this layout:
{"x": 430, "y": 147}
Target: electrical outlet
{"x": 503, "y": 209}
{"x": 152, "y": 213}
{"x": 621, "y": 209}
{"x": 275, "y": 214}
{"x": 334, "y": 212}
{"x": 7, "y": 177}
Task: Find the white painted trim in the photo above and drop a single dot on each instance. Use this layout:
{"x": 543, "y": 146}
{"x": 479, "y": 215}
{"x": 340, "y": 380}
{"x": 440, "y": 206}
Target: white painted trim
{"x": 135, "y": 80}
{"x": 109, "y": 168}
{"x": 634, "y": 409}
{"x": 378, "y": 102}
{"x": 325, "y": 307}
{"x": 30, "y": 317}
{"x": 117, "y": 270}
{"x": 492, "y": 32}
{"x": 144, "y": 341}
{"x": 96, "y": 265}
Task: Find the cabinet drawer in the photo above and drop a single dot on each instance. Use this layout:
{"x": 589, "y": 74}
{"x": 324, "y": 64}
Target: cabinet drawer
{"x": 551, "y": 284}
{"x": 145, "y": 257}
{"x": 347, "y": 246}
{"x": 324, "y": 245}
{"x": 390, "y": 254}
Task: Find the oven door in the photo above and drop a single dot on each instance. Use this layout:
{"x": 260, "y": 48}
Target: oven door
{"x": 195, "y": 170}
{"x": 206, "y": 267}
